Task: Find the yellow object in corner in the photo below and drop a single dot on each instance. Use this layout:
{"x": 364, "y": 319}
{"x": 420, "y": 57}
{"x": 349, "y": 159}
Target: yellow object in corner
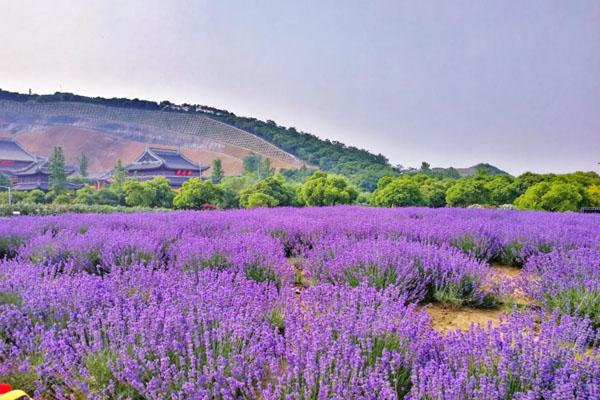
{"x": 15, "y": 395}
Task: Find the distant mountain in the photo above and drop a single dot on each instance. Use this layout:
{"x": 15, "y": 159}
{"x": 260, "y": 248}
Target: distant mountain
{"x": 483, "y": 167}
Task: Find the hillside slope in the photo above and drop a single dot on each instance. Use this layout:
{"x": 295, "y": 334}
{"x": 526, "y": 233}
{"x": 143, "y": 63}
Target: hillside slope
{"x": 106, "y": 129}
{"x": 190, "y": 126}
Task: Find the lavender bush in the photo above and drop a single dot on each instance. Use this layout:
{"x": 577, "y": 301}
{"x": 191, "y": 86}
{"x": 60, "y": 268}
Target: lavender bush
{"x": 314, "y": 303}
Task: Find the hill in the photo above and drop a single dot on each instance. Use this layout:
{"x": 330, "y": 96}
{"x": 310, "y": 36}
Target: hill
{"x": 207, "y": 130}
{"x": 110, "y": 129}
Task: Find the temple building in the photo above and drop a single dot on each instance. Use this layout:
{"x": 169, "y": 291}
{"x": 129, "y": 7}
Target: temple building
{"x": 13, "y": 157}
{"x": 26, "y": 171}
{"x": 171, "y": 164}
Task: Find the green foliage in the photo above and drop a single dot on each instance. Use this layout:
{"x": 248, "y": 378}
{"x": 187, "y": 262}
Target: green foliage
{"x": 107, "y": 196}
{"x": 551, "y": 197}
{"x": 83, "y": 165}
{"x": 269, "y": 192}
{"x": 562, "y": 197}
{"x": 231, "y": 186}
{"x": 195, "y": 193}
{"x": 35, "y": 196}
{"x": 399, "y": 192}
{"x": 463, "y": 293}
{"x": 58, "y": 174}
{"x": 85, "y": 195}
{"x": 299, "y": 175}
{"x": 153, "y": 193}
{"x": 468, "y": 191}
{"x": 434, "y": 193}
{"x": 4, "y": 182}
{"x": 578, "y": 302}
{"x": 55, "y": 209}
{"x": 324, "y": 190}
{"x": 261, "y": 273}
{"x": 531, "y": 199}
{"x": 217, "y": 171}
{"x": 258, "y": 166}
{"x": 119, "y": 178}
{"x": 62, "y": 198}
{"x": 364, "y": 198}
{"x": 259, "y": 199}
{"x": 277, "y": 320}
{"x": 363, "y": 167}
{"x": 101, "y": 376}
{"x": 593, "y": 195}
{"x": 501, "y": 190}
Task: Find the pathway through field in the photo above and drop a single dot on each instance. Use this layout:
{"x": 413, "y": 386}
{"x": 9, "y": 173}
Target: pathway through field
{"x": 445, "y": 318}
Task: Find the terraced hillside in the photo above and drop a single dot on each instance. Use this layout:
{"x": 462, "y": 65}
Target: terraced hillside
{"x": 190, "y": 131}
{"x": 205, "y": 129}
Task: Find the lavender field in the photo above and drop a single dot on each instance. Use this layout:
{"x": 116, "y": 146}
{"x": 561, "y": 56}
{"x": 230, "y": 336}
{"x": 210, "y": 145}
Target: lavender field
{"x": 314, "y": 303}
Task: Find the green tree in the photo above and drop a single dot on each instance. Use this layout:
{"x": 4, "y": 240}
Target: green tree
{"x": 108, "y": 196}
{"x": 195, "y": 194}
{"x": 593, "y": 194}
{"x": 434, "y": 193}
{"x": 276, "y": 187}
{"x": 324, "y": 190}
{"x": 259, "y": 199}
{"x": 119, "y": 177}
{"x": 532, "y": 198}
{"x": 5, "y": 182}
{"x": 502, "y": 190}
{"x": 85, "y": 195}
{"x": 217, "y": 171}
{"x": 62, "y": 198}
{"x": 528, "y": 179}
{"x": 231, "y": 186}
{"x": 153, "y": 193}
{"x": 562, "y": 197}
{"x": 58, "y": 174}
{"x": 254, "y": 164}
{"x": 399, "y": 192}
{"x": 35, "y": 196}
{"x": 467, "y": 191}
{"x": 83, "y": 165}
{"x": 162, "y": 194}
{"x": 136, "y": 194}
{"x": 251, "y": 163}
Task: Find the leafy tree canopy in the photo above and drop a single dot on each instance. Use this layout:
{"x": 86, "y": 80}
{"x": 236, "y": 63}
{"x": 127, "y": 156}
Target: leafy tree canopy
{"x": 324, "y": 190}
{"x": 196, "y": 193}
{"x": 153, "y": 193}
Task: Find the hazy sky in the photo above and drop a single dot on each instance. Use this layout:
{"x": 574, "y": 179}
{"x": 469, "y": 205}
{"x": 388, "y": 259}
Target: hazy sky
{"x": 514, "y": 83}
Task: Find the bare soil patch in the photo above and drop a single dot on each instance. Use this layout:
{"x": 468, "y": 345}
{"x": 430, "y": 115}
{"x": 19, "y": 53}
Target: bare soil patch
{"x": 444, "y": 319}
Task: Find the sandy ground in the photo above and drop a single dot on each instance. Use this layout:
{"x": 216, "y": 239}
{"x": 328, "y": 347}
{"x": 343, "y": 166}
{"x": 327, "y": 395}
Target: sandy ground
{"x": 445, "y": 318}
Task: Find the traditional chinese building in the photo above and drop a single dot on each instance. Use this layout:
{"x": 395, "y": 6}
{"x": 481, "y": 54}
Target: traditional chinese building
{"x": 171, "y": 164}
{"x": 13, "y": 157}
{"x": 26, "y": 171}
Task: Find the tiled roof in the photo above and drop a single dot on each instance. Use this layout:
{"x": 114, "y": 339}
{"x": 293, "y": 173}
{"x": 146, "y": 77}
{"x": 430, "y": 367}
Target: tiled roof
{"x": 11, "y": 150}
{"x": 41, "y": 166}
{"x": 172, "y": 159}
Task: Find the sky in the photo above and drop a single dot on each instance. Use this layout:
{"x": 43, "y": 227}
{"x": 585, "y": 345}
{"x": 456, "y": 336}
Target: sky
{"x": 515, "y": 83}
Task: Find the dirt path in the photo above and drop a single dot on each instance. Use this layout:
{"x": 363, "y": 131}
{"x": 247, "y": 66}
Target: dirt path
{"x": 503, "y": 278}
{"x": 446, "y": 319}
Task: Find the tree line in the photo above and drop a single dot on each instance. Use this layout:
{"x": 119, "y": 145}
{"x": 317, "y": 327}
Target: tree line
{"x": 261, "y": 186}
